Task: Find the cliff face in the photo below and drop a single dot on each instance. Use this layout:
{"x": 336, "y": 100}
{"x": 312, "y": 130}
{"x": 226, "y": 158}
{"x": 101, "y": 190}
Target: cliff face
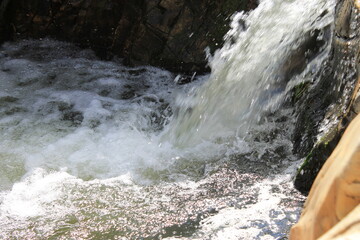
{"x": 328, "y": 107}
{"x": 170, "y": 34}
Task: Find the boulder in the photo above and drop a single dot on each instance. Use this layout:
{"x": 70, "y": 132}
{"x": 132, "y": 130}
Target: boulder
{"x": 332, "y": 207}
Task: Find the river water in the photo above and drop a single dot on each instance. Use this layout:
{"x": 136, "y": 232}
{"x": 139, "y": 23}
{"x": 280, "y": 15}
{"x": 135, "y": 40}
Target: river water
{"x": 92, "y": 149}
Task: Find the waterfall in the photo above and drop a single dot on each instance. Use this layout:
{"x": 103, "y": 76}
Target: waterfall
{"x": 251, "y": 74}
{"x": 92, "y": 149}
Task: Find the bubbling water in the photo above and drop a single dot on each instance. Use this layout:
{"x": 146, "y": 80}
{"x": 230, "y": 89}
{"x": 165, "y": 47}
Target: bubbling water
{"x": 94, "y": 150}
{"x": 90, "y": 118}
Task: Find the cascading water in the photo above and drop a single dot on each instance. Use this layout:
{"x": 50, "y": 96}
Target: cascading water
{"x": 95, "y": 150}
{"x": 251, "y": 73}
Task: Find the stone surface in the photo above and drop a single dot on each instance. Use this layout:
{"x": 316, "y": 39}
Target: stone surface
{"x": 327, "y": 107}
{"x": 333, "y": 202}
{"x": 170, "y": 34}
{"x": 5, "y": 27}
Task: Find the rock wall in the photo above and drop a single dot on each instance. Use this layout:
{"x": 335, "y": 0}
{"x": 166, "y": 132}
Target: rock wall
{"x": 168, "y": 33}
{"x": 332, "y": 210}
{"x": 5, "y": 27}
{"x": 328, "y": 106}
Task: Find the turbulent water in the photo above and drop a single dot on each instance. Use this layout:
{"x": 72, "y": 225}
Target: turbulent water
{"x": 94, "y": 150}
{"x": 251, "y": 73}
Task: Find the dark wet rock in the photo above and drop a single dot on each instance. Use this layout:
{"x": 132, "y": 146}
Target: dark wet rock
{"x": 311, "y": 45}
{"x": 326, "y": 108}
{"x": 5, "y": 25}
{"x": 170, "y": 34}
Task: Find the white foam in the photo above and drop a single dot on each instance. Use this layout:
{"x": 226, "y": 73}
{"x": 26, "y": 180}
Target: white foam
{"x": 74, "y": 128}
{"x": 34, "y": 196}
{"x": 255, "y": 221}
{"x": 95, "y": 119}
